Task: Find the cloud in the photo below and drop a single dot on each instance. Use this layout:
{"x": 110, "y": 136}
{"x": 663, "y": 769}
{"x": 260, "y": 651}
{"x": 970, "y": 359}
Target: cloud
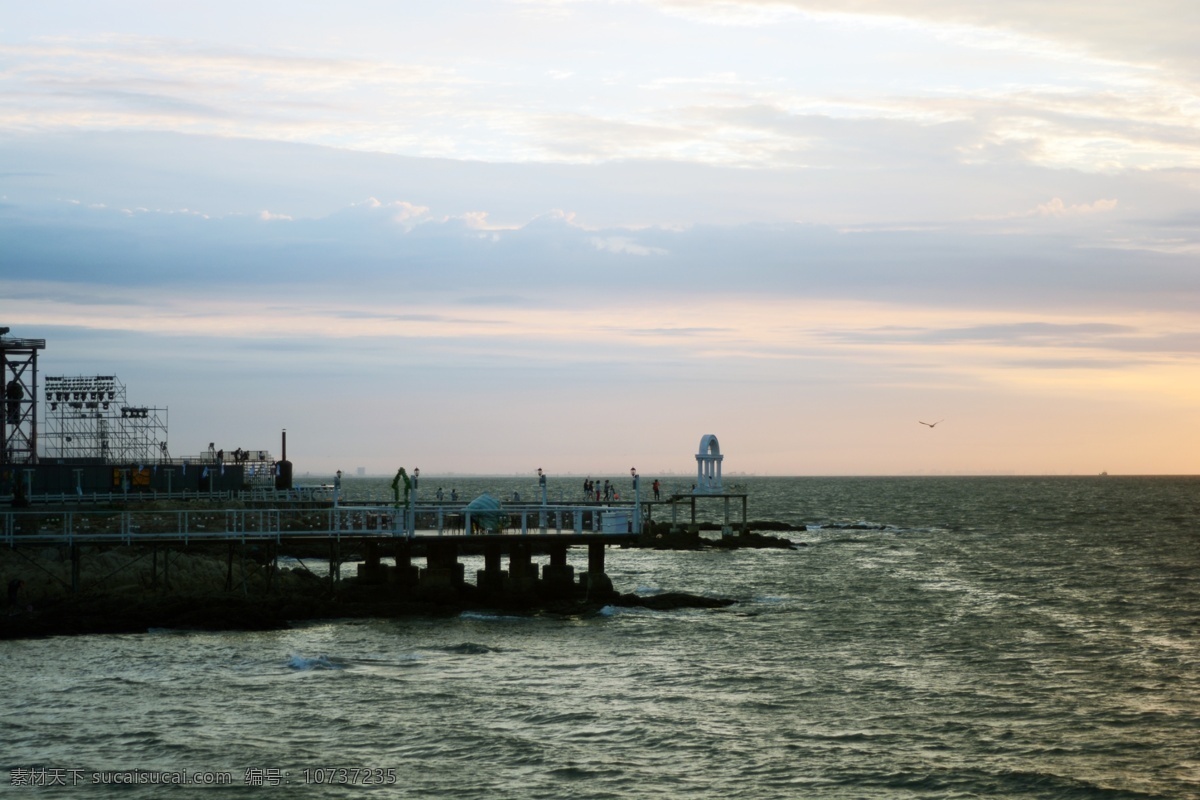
{"x": 1039, "y": 334}
{"x": 679, "y": 332}
{"x": 625, "y": 245}
{"x": 1057, "y": 208}
{"x": 412, "y": 247}
{"x": 1156, "y": 32}
{"x": 401, "y": 212}
{"x": 856, "y": 84}
{"x": 1151, "y": 339}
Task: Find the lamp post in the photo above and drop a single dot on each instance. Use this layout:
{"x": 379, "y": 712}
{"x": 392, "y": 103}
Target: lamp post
{"x": 637, "y": 500}
{"x": 416, "y": 480}
{"x": 542, "y": 487}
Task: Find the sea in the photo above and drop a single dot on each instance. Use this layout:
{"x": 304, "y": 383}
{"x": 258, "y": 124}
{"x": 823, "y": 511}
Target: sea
{"x": 927, "y": 637}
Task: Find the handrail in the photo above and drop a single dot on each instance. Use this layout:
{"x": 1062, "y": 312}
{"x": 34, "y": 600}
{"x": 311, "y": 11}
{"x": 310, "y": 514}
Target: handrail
{"x": 130, "y": 526}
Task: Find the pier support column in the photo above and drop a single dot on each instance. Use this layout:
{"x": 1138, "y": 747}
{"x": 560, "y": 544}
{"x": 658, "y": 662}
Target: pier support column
{"x": 442, "y": 570}
{"x": 490, "y": 579}
{"x": 558, "y": 577}
{"x": 522, "y": 572}
{"x": 596, "y": 583}
{"x": 596, "y": 556}
{"x": 372, "y": 571}
{"x": 404, "y": 574}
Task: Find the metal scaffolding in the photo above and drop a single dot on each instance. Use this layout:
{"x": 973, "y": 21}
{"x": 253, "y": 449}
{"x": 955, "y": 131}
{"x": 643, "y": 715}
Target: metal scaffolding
{"x": 88, "y": 417}
{"x": 18, "y": 421}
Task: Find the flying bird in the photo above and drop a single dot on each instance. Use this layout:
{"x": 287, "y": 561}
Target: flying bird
{"x": 931, "y": 424}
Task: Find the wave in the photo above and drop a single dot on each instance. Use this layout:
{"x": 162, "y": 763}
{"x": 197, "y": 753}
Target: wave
{"x": 860, "y": 525}
{"x": 626, "y": 611}
{"x": 493, "y": 617}
{"x": 467, "y": 649}
{"x": 305, "y": 664}
{"x": 1003, "y": 782}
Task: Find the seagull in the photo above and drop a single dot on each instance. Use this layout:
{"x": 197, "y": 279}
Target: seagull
{"x": 931, "y": 424}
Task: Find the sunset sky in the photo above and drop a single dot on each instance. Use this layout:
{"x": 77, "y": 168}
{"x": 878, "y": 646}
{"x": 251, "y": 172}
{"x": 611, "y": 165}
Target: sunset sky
{"x": 487, "y": 237}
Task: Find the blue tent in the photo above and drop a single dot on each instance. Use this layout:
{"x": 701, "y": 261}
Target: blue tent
{"x": 485, "y": 512}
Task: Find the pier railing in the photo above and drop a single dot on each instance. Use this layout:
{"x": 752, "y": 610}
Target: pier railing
{"x": 131, "y": 526}
{"x": 299, "y": 494}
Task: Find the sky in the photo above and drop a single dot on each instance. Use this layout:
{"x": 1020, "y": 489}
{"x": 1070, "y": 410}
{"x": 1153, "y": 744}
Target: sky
{"x": 488, "y": 237}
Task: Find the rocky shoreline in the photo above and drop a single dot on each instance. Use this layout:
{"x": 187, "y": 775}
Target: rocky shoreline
{"x": 666, "y": 536}
{"x": 109, "y": 614}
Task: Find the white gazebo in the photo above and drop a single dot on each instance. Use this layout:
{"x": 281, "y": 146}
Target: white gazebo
{"x": 708, "y": 466}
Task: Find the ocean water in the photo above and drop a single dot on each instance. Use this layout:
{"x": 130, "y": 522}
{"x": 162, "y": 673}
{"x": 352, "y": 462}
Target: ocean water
{"x": 933, "y": 638}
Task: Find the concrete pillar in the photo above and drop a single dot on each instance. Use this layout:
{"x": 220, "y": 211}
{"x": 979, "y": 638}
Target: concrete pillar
{"x": 490, "y": 579}
{"x": 441, "y": 565}
{"x": 520, "y": 561}
{"x": 522, "y": 572}
{"x": 558, "y": 577}
{"x": 371, "y": 571}
{"x": 596, "y": 556}
{"x": 595, "y": 583}
{"x": 404, "y": 574}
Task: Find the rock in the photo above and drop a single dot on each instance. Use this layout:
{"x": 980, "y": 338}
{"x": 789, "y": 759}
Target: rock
{"x": 757, "y": 540}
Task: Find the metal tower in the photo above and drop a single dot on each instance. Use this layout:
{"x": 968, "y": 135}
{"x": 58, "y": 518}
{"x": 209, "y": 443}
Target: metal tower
{"x": 18, "y": 421}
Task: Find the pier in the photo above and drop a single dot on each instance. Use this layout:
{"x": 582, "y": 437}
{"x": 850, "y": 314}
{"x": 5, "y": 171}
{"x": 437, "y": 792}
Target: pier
{"x": 96, "y": 506}
{"x": 440, "y": 532}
